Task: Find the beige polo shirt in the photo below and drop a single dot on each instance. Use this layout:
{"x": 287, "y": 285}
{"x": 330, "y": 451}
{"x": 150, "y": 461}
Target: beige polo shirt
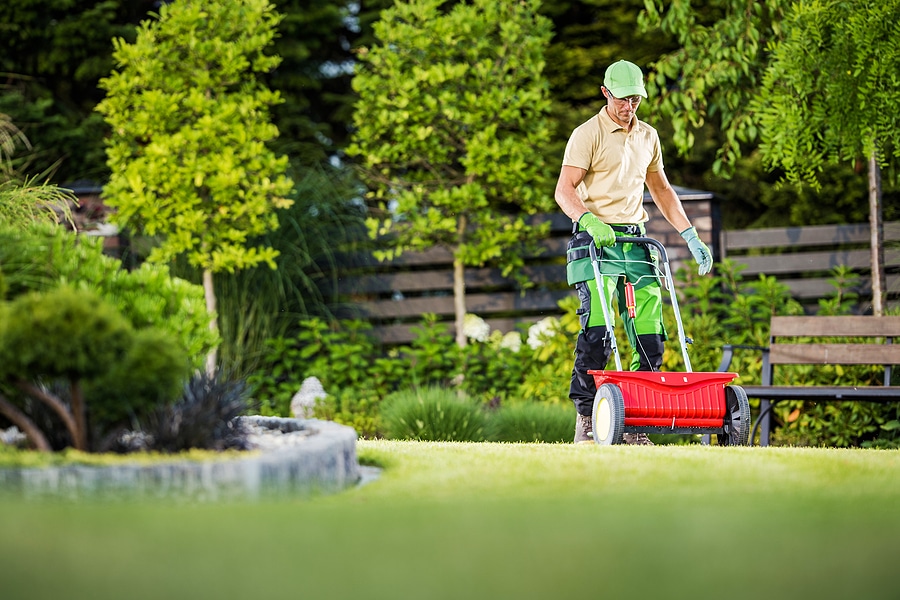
{"x": 616, "y": 162}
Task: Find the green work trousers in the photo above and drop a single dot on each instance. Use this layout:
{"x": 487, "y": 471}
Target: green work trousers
{"x": 624, "y": 262}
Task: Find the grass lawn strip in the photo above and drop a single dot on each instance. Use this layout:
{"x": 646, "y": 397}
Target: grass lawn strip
{"x": 494, "y": 521}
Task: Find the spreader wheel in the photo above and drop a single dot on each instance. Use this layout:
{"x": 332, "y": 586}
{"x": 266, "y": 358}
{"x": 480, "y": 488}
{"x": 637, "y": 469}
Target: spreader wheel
{"x": 737, "y": 418}
{"x": 608, "y": 416}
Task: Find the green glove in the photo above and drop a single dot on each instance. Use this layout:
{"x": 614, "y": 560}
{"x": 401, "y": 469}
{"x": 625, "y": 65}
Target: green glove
{"x": 602, "y": 233}
{"x": 700, "y": 251}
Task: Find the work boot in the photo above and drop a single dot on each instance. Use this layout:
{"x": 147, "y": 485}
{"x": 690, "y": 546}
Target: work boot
{"x": 637, "y": 439}
{"x": 583, "y": 430}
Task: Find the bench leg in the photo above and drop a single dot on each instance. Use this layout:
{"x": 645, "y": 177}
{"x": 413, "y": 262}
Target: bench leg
{"x": 765, "y": 415}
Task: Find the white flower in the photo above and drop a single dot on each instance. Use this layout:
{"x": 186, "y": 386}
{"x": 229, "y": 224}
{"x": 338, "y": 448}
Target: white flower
{"x": 512, "y": 341}
{"x": 540, "y": 331}
{"x": 475, "y": 328}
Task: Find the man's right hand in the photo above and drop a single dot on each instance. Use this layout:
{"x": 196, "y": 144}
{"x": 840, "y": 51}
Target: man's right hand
{"x": 602, "y": 233}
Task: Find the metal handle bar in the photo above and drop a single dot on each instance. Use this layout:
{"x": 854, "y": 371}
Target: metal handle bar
{"x": 645, "y": 240}
{"x": 670, "y": 284}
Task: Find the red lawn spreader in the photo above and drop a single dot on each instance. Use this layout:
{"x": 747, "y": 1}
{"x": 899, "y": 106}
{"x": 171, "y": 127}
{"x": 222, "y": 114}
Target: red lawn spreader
{"x": 664, "y": 402}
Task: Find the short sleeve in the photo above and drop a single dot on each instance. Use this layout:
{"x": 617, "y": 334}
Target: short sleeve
{"x": 580, "y": 148}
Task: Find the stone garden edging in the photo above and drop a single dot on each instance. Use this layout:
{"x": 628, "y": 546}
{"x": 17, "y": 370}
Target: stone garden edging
{"x": 293, "y": 456}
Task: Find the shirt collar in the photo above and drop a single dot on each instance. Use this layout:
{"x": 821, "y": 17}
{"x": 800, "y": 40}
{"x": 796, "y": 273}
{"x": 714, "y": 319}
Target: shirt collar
{"x": 609, "y": 125}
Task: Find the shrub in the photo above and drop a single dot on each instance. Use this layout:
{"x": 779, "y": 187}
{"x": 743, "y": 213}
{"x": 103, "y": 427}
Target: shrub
{"x": 723, "y": 308}
{"x": 150, "y": 375}
{"x": 205, "y": 417}
{"x": 64, "y": 334}
{"x": 41, "y": 257}
{"x": 433, "y": 414}
{"x": 533, "y": 422}
{"x": 341, "y": 355}
{"x": 150, "y": 297}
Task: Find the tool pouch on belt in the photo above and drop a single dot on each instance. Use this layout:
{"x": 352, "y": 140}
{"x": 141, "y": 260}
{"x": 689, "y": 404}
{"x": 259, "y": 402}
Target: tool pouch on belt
{"x": 578, "y": 259}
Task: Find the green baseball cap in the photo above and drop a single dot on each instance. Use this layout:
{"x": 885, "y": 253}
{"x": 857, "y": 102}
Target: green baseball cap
{"x": 624, "y": 79}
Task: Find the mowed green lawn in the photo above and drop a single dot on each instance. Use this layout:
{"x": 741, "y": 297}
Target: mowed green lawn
{"x": 493, "y": 521}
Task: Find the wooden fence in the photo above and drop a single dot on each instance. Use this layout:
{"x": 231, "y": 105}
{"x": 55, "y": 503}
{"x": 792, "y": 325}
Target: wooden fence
{"x": 803, "y": 257}
{"x": 394, "y": 295}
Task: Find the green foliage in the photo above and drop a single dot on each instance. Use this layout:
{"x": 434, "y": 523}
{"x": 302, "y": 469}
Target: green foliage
{"x": 10, "y": 137}
{"x": 52, "y": 54}
{"x": 451, "y": 117}
{"x": 40, "y": 257}
{"x": 149, "y": 375}
{"x": 724, "y": 308}
{"x": 190, "y": 123}
{"x": 150, "y": 297}
{"x": 710, "y": 99}
{"x": 827, "y": 95}
{"x": 65, "y": 333}
{"x": 357, "y": 373}
{"x": 26, "y": 201}
{"x": 316, "y": 42}
{"x": 716, "y": 71}
{"x": 546, "y": 376}
{"x": 60, "y": 49}
{"x": 342, "y": 359}
{"x": 532, "y": 422}
{"x": 316, "y": 233}
{"x": 433, "y": 414}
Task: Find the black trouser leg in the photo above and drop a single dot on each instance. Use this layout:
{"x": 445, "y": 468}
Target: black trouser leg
{"x": 650, "y": 349}
{"x": 591, "y": 353}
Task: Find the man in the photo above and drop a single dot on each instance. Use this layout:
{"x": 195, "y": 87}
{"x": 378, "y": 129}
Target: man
{"x": 607, "y": 162}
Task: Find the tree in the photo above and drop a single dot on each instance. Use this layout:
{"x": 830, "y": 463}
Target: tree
{"x": 829, "y": 96}
{"x": 65, "y": 333}
{"x": 451, "y": 117}
{"x": 716, "y": 71}
{"x": 190, "y": 124}
{"x": 52, "y": 53}
{"x": 316, "y": 46}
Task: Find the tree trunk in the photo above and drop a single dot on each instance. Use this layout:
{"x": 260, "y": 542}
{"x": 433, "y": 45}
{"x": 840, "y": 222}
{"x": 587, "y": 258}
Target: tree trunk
{"x": 876, "y": 227}
{"x": 21, "y": 420}
{"x": 55, "y": 404}
{"x": 210, "y": 293}
{"x": 459, "y": 285}
{"x": 79, "y": 414}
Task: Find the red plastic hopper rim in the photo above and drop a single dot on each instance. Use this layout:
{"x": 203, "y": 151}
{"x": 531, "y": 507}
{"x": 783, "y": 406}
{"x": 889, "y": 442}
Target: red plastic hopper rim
{"x": 669, "y": 379}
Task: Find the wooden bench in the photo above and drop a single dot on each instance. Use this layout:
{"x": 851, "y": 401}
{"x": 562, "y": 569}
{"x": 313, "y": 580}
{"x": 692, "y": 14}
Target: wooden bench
{"x": 797, "y": 341}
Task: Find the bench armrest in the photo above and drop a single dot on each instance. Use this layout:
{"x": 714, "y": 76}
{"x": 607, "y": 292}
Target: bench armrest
{"x": 728, "y": 354}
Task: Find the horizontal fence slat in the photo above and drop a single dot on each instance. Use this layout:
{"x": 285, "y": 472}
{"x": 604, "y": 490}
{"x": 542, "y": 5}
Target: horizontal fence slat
{"x": 815, "y": 235}
{"x": 480, "y": 304}
{"x": 800, "y": 262}
{"x": 442, "y": 256}
{"x": 420, "y": 281}
{"x": 835, "y": 326}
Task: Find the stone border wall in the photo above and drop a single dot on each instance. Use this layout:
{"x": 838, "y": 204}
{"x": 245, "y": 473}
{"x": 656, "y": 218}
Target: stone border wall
{"x": 292, "y": 456}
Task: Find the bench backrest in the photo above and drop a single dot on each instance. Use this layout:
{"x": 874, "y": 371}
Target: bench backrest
{"x": 881, "y": 350}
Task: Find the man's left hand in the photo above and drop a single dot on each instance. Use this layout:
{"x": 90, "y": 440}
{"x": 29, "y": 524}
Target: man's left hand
{"x": 698, "y": 249}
